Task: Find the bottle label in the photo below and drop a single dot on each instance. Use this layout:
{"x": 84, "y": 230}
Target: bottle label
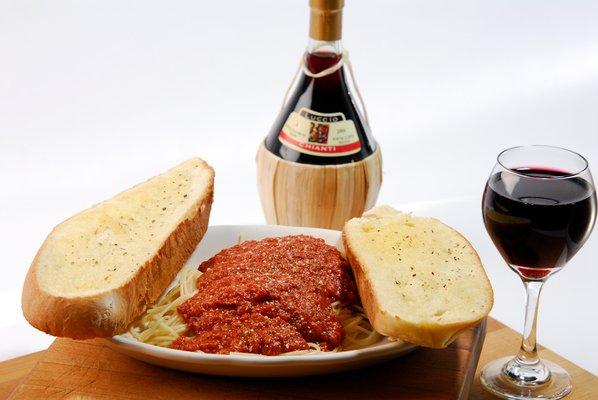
{"x": 319, "y": 134}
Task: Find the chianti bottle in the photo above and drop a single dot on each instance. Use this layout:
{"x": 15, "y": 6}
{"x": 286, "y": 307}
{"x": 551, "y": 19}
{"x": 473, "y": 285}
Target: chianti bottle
{"x": 319, "y": 165}
{"x": 320, "y": 123}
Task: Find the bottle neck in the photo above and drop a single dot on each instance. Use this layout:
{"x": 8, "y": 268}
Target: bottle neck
{"x": 315, "y": 46}
{"x": 321, "y": 55}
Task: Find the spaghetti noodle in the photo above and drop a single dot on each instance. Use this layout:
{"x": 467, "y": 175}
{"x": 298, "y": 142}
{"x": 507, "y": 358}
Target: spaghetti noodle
{"x": 161, "y": 324}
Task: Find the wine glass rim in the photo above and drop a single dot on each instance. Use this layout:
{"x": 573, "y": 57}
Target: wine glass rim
{"x": 569, "y": 174}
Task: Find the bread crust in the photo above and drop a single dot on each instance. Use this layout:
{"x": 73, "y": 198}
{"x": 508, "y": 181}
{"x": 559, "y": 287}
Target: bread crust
{"x": 110, "y": 312}
{"x": 434, "y": 335}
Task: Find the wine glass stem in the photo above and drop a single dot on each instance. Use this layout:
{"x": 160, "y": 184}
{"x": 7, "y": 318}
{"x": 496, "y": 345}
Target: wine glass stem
{"x": 528, "y": 353}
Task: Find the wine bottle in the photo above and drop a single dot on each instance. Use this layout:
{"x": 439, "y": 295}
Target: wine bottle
{"x": 320, "y": 123}
{"x": 319, "y": 165}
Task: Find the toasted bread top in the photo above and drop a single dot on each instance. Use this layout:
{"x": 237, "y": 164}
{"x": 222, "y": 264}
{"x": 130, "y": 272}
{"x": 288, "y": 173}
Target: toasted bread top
{"x": 99, "y": 269}
{"x": 102, "y": 247}
{"x": 419, "y": 279}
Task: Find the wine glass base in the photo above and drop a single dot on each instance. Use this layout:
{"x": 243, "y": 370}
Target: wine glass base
{"x": 496, "y": 382}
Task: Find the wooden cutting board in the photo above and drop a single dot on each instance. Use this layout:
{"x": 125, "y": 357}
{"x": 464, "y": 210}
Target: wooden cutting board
{"x": 89, "y": 370}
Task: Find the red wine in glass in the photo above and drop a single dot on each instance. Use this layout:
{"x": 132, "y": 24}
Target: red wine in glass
{"x": 538, "y": 218}
{"x": 539, "y": 207}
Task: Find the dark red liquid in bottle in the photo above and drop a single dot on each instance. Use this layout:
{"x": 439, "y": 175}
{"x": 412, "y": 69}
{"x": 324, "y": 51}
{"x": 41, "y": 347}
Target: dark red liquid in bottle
{"x": 327, "y": 94}
{"x": 537, "y": 219}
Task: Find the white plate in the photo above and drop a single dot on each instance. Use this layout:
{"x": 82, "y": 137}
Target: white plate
{"x": 216, "y": 239}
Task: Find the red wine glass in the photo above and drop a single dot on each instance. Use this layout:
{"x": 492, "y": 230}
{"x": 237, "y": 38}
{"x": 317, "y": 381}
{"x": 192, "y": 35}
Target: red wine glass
{"x": 539, "y": 207}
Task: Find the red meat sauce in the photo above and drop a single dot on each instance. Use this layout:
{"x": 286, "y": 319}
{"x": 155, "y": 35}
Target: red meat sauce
{"x": 268, "y": 297}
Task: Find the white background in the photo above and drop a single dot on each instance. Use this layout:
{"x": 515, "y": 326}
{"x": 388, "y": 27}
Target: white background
{"x": 98, "y": 95}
